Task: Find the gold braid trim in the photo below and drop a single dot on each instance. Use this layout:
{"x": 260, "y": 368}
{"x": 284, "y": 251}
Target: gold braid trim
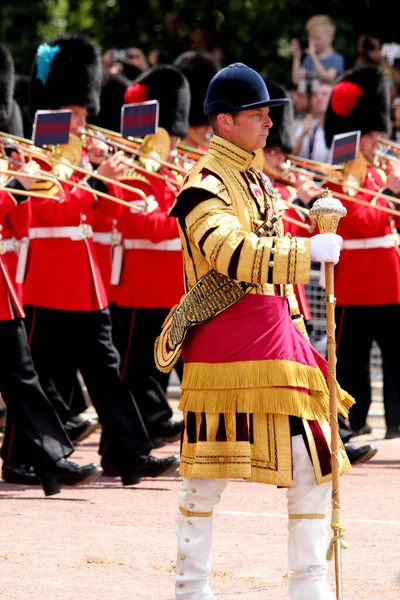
{"x": 189, "y": 513}
{"x": 292, "y": 260}
{"x": 306, "y": 516}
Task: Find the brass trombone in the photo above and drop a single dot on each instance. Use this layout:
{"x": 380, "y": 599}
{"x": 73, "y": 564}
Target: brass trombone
{"x": 390, "y": 144}
{"x": 383, "y": 157}
{"x": 50, "y": 158}
{"x": 312, "y": 166}
{"x": 288, "y": 166}
{"x": 32, "y": 193}
{"x": 152, "y": 150}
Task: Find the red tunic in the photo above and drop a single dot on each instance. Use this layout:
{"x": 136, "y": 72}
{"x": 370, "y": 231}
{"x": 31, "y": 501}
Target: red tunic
{"x": 152, "y": 272}
{"x": 14, "y": 222}
{"x": 367, "y": 277}
{"x": 63, "y": 273}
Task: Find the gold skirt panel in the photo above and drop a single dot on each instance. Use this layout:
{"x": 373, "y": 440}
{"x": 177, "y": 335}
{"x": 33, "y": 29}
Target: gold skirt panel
{"x": 252, "y": 446}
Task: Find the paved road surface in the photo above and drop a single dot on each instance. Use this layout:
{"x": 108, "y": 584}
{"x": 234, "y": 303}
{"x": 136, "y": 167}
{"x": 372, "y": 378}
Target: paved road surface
{"x": 104, "y": 542}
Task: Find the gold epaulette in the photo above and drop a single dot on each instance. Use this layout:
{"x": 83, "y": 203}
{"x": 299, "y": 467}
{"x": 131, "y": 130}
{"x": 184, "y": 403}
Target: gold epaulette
{"x": 292, "y": 191}
{"x": 131, "y": 174}
{"x": 209, "y": 182}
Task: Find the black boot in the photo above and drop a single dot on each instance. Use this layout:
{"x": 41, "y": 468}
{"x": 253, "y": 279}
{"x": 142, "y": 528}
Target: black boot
{"x": 165, "y": 433}
{"x": 392, "y": 431}
{"x": 360, "y": 454}
{"x": 79, "y": 429}
{"x": 24, "y": 474}
{"x": 142, "y": 466}
{"x": 65, "y": 472}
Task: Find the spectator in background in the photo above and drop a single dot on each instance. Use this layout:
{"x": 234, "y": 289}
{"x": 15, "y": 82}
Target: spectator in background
{"x": 119, "y": 68}
{"x": 396, "y": 77}
{"x": 202, "y": 39}
{"x": 322, "y": 63}
{"x": 129, "y": 62}
{"x": 396, "y": 119}
{"x": 309, "y": 137}
{"x": 369, "y": 53}
{"x": 395, "y": 100}
{"x": 300, "y": 102}
{"x": 368, "y": 50}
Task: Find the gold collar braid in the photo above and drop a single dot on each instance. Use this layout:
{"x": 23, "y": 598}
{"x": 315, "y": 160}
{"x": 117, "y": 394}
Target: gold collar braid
{"x": 229, "y": 153}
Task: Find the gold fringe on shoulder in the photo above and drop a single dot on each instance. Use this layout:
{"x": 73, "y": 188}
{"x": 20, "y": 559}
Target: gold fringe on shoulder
{"x": 265, "y": 386}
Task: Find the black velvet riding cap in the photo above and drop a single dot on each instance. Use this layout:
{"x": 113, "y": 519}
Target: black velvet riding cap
{"x": 238, "y": 87}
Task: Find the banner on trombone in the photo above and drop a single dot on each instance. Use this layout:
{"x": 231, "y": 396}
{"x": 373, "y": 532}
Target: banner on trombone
{"x": 139, "y": 119}
{"x": 51, "y": 127}
{"x": 344, "y": 147}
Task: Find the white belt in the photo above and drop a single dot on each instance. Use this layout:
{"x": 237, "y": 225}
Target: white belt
{"x": 108, "y": 238}
{"x": 73, "y": 233}
{"x": 9, "y": 245}
{"x": 148, "y": 245}
{"x": 387, "y": 241}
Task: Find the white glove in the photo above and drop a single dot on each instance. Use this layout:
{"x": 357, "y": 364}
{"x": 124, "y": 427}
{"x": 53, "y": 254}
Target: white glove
{"x": 325, "y": 247}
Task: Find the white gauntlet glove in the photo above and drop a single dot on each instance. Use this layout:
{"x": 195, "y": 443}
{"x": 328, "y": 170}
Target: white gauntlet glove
{"x": 325, "y": 247}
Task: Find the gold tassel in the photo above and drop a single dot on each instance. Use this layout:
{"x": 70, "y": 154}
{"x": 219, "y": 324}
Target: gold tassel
{"x": 337, "y": 526}
{"x": 272, "y": 400}
{"x": 259, "y": 387}
{"x": 253, "y": 374}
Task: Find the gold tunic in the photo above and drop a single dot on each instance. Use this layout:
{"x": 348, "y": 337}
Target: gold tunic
{"x": 218, "y": 233}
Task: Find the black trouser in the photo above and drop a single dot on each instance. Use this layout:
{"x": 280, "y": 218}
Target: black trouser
{"x": 87, "y": 335}
{"x": 357, "y": 328}
{"x": 63, "y": 390}
{"x": 391, "y": 400}
{"x": 134, "y": 334}
{"x": 345, "y": 432}
{"x": 70, "y": 388}
{"x": 34, "y": 433}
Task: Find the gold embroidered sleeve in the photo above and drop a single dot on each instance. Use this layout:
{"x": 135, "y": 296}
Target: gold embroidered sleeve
{"x": 292, "y": 260}
{"x": 217, "y": 233}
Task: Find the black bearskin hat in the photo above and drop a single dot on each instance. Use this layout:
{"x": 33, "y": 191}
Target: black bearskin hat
{"x": 199, "y": 68}
{"x": 282, "y": 117}
{"x": 21, "y": 96}
{"x": 360, "y": 101}
{"x": 170, "y": 87}
{"x": 10, "y": 113}
{"x": 113, "y": 89}
{"x": 66, "y": 71}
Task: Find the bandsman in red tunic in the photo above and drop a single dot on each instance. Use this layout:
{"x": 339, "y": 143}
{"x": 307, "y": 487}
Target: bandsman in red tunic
{"x": 151, "y": 278}
{"x": 63, "y": 290}
{"x": 40, "y": 439}
{"x": 367, "y": 280}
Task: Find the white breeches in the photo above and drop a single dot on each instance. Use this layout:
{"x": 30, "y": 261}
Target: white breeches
{"x": 307, "y": 508}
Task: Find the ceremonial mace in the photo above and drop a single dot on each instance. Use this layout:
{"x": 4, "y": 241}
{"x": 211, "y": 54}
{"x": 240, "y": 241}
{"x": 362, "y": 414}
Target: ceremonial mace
{"x": 327, "y": 211}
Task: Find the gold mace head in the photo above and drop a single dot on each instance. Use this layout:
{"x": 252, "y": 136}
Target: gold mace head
{"x": 327, "y": 211}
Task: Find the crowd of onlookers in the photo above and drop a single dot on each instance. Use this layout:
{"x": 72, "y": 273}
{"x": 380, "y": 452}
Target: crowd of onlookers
{"x": 315, "y": 66}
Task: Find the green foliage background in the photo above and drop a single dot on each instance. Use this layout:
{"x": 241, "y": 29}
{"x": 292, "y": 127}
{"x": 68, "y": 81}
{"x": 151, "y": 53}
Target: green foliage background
{"x": 257, "y": 32}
